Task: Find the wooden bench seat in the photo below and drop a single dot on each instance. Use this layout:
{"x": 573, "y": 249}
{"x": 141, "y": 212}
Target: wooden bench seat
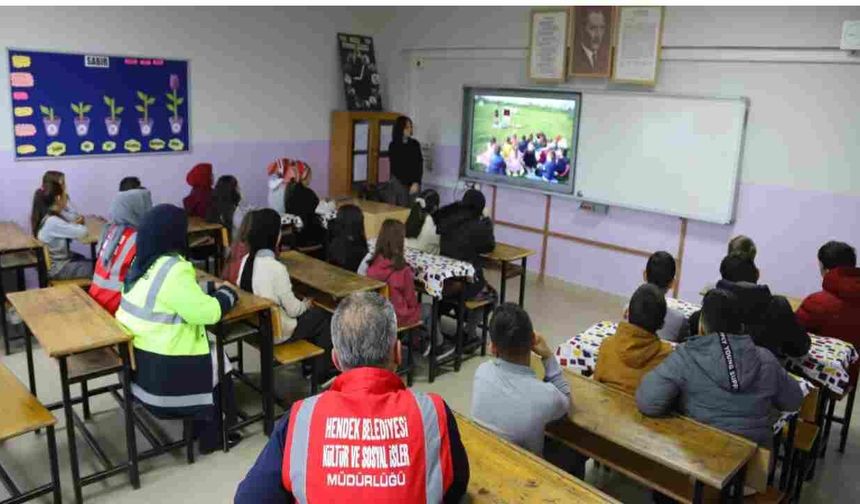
{"x": 511, "y": 270}
{"x": 474, "y": 304}
{"x": 292, "y": 352}
{"x": 20, "y": 412}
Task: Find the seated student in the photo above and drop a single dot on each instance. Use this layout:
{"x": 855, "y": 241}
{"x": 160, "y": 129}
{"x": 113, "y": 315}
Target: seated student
{"x": 388, "y": 265}
{"x": 739, "y": 276}
{"x": 635, "y": 349}
{"x": 129, "y": 183}
{"x": 199, "y": 200}
{"x": 49, "y": 226}
{"x": 301, "y": 200}
{"x": 550, "y": 166}
{"x": 347, "y": 243}
{"x": 265, "y": 276}
{"x": 238, "y": 250}
{"x": 497, "y": 162}
{"x": 780, "y": 332}
{"x": 835, "y": 310}
{"x": 225, "y": 209}
{"x": 660, "y": 272}
{"x": 366, "y": 350}
{"x": 58, "y": 177}
{"x": 529, "y": 159}
{"x": 742, "y": 246}
{"x": 165, "y": 310}
{"x": 420, "y": 227}
{"x": 118, "y": 246}
{"x": 721, "y": 379}
{"x": 507, "y": 398}
{"x": 464, "y": 234}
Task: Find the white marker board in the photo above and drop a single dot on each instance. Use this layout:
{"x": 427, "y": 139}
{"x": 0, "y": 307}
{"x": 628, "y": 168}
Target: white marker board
{"x": 676, "y": 155}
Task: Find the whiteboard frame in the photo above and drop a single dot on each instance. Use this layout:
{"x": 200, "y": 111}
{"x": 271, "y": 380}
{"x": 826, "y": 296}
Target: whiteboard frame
{"x": 735, "y": 176}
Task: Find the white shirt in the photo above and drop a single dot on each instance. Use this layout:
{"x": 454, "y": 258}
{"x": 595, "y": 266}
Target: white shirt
{"x": 590, "y": 54}
{"x": 272, "y": 281}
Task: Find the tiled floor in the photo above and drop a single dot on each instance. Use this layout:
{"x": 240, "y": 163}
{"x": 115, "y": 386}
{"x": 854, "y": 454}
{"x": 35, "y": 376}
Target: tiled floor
{"x": 558, "y": 309}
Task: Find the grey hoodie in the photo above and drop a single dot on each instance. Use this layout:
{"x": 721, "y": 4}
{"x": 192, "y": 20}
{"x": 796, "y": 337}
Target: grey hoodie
{"x": 126, "y": 210}
{"x": 696, "y": 374}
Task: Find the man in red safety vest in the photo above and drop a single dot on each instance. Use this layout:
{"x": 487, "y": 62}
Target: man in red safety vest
{"x": 368, "y": 438}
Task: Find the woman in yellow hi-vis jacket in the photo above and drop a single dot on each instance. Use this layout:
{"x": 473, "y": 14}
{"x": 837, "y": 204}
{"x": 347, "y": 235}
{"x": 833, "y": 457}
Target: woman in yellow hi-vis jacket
{"x": 167, "y": 312}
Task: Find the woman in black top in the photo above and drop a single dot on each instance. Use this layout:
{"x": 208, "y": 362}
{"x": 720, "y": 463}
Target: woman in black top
{"x": 301, "y": 200}
{"x": 407, "y": 163}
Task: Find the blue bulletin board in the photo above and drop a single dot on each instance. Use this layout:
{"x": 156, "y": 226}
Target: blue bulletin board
{"x": 67, "y": 104}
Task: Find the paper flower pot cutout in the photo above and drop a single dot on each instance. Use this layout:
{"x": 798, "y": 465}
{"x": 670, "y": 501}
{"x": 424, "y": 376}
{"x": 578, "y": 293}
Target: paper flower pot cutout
{"x": 82, "y": 122}
{"x": 173, "y": 103}
{"x": 145, "y": 122}
{"x": 52, "y": 122}
{"x": 113, "y": 122}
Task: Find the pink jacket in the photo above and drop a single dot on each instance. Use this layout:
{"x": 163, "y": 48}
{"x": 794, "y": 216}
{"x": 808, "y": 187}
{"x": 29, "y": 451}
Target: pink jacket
{"x": 401, "y": 287}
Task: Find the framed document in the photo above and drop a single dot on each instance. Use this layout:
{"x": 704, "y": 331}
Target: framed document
{"x": 547, "y": 44}
{"x": 637, "y": 51}
{"x": 593, "y": 35}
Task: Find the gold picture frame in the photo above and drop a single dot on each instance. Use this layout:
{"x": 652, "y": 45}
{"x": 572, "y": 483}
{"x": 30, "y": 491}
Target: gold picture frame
{"x": 634, "y": 73}
{"x": 597, "y": 64}
{"x": 547, "y": 57}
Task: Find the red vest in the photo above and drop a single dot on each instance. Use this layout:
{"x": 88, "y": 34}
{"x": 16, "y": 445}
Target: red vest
{"x": 106, "y": 288}
{"x": 368, "y": 439}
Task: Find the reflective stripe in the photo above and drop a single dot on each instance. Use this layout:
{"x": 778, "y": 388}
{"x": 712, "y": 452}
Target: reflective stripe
{"x": 171, "y": 401}
{"x": 117, "y": 265}
{"x": 107, "y": 283}
{"x": 432, "y": 446}
{"x": 147, "y": 311}
{"x": 299, "y": 449}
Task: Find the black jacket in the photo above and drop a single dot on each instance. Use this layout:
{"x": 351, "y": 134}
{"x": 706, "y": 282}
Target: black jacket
{"x": 346, "y": 253}
{"x": 407, "y": 163}
{"x": 303, "y": 201}
{"x": 768, "y": 325}
{"x": 465, "y": 237}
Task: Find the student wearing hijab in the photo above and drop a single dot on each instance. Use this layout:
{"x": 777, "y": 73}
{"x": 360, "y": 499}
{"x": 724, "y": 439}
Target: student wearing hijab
{"x": 301, "y": 200}
{"x": 166, "y": 312}
{"x": 118, "y": 246}
{"x": 199, "y": 200}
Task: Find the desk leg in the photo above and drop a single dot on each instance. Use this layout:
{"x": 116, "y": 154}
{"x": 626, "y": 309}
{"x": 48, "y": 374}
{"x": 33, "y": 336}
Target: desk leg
{"x": 31, "y": 372}
{"x": 221, "y": 407}
{"x": 698, "y": 492}
{"x": 93, "y": 254}
{"x": 267, "y": 364}
{"x": 55, "y": 466}
{"x": 128, "y": 407}
{"x": 504, "y": 282}
{"x": 788, "y": 456}
{"x": 523, "y": 284}
{"x": 740, "y": 481}
{"x": 434, "y": 327}
{"x": 70, "y": 429}
{"x": 219, "y": 252}
{"x": 461, "y": 315}
{"x": 3, "y": 325}
{"x": 41, "y": 267}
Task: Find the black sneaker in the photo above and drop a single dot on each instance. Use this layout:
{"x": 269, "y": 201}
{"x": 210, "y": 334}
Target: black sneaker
{"x": 444, "y": 350}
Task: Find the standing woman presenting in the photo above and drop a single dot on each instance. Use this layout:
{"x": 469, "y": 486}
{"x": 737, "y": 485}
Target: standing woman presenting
{"x": 407, "y": 164}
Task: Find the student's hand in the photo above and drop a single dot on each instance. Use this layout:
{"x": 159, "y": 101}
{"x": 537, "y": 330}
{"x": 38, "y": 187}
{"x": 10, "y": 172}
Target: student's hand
{"x": 413, "y": 188}
{"x": 540, "y": 347}
{"x": 80, "y": 220}
{"x": 309, "y": 303}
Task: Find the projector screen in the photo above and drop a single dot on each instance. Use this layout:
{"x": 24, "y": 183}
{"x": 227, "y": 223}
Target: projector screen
{"x": 521, "y": 137}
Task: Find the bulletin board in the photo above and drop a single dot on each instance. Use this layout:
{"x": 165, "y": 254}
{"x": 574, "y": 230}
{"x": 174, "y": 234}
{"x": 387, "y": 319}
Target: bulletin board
{"x": 66, "y": 104}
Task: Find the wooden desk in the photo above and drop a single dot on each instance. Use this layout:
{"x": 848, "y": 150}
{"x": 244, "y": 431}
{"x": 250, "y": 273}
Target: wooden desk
{"x": 505, "y": 254}
{"x": 95, "y": 226}
{"x": 503, "y": 472}
{"x": 703, "y": 454}
{"x": 375, "y": 213}
{"x": 198, "y": 227}
{"x": 18, "y": 250}
{"x": 262, "y": 313}
{"x": 329, "y": 280}
{"x": 67, "y": 321}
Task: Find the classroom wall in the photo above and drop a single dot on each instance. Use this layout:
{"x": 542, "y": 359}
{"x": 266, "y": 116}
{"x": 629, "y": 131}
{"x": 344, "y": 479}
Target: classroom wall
{"x": 263, "y": 82}
{"x": 799, "y": 181}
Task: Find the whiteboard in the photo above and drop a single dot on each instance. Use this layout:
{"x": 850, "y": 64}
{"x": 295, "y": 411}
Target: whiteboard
{"x": 677, "y": 155}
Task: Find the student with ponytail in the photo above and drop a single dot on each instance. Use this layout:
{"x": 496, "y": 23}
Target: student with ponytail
{"x": 60, "y": 178}
{"x": 420, "y": 227}
{"x": 51, "y": 227}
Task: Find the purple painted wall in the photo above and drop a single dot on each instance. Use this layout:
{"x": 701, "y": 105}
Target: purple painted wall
{"x": 93, "y": 183}
{"x": 788, "y": 225}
